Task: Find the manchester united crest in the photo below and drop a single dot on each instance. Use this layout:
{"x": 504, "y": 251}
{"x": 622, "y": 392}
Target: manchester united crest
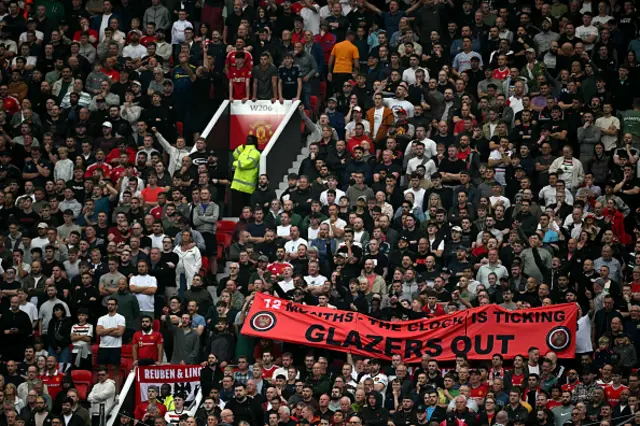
{"x": 559, "y": 338}
{"x": 263, "y": 321}
{"x": 262, "y": 130}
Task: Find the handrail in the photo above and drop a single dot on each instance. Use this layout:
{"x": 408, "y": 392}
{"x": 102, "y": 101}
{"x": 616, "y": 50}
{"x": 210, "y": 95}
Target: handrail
{"x": 115, "y": 408}
{"x": 214, "y": 119}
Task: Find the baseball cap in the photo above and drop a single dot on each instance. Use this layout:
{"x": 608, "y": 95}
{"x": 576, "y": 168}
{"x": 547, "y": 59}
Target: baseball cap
{"x": 457, "y": 229}
{"x": 136, "y": 83}
{"x": 42, "y": 225}
{"x": 333, "y": 98}
{"x": 530, "y": 50}
{"x": 357, "y": 109}
{"x": 107, "y": 124}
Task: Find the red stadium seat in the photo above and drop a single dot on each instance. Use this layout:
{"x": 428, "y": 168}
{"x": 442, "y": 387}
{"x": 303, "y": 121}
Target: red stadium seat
{"x": 126, "y": 358}
{"x": 225, "y": 226}
{"x": 313, "y": 101}
{"x": 94, "y": 352}
{"x": 323, "y": 89}
{"x": 82, "y": 380}
{"x": 179, "y": 127}
{"x": 156, "y": 325}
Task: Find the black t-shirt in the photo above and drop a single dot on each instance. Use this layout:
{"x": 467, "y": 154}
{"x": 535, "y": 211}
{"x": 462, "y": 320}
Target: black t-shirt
{"x": 454, "y": 167}
{"x": 630, "y": 200}
{"x": 380, "y": 260}
{"x": 5, "y": 302}
{"x": 289, "y": 78}
{"x": 47, "y": 268}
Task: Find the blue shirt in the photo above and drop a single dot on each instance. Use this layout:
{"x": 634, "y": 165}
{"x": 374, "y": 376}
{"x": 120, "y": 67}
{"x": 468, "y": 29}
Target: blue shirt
{"x": 198, "y": 320}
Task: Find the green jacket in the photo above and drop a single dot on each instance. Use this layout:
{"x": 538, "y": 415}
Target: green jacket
{"x": 246, "y": 163}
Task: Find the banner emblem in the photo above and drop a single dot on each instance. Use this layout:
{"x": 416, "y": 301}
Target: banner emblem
{"x": 559, "y": 338}
{"x": 263, "y": 321}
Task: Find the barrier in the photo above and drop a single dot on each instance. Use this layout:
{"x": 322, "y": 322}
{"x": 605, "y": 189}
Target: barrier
{"x": 284, "y": 146}
{"x": 123, "y": 398}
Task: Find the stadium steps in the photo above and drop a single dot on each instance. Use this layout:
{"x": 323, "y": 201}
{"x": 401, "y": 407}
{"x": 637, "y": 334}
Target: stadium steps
{"x": 295, "y": 167}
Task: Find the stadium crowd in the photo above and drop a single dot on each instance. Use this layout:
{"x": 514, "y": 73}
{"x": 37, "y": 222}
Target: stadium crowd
{"x": 461, "y": 153}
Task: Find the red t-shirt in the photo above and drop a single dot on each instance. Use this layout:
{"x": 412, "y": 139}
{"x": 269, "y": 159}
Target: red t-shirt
{"x": 113, "y": 75}
{"x": 500, "y": 75}
{"x": 230, "y": 60}
{"x": 569, "y": 386}
{"x": 268, "y": 373}
{"x": 551, "y": 404}
{"x": 613, "y": 394}
{"x": 479, "y": 393}
{"x": 517, "y": 380}
{"x": 356, "y": 141}
{"x": 146, "y": 40}
{"x": 239, "y": 77}
{"x": 53, "y": 382}
{"x": 147, "y": 344}
{"x": 151, "y": 194}
{"x": 141, "y": 408}
{"x": 277, "y": 268}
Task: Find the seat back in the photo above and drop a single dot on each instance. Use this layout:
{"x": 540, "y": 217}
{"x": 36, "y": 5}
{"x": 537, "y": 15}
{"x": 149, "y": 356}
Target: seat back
{"x": 82, "y": 380}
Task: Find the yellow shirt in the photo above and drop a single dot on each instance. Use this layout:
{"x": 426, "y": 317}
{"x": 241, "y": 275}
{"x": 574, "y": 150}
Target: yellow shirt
{"x": 344, "y": 52}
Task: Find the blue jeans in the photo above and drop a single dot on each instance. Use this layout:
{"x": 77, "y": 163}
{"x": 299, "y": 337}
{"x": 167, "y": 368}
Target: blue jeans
{"x": 183, "y": 286}
{"x": 64, "y": 356}
{"x": 306, "y": 95}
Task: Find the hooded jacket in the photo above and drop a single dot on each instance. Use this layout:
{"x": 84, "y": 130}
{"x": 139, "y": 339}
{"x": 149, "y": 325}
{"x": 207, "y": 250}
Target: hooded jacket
{"x": 374, "y": 415}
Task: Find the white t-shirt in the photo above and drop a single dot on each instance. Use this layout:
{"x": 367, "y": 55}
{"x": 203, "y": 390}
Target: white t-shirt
{"x": 604, "y": 123}
{"x": 83, "y": 330}
{"x": 134, "y": 52}
{"x": 418, "y": 196}
{"x": 340, "y": 224}
{"x": 583, "y": 336}
{"x": 31, "y": 310}
{"x": 283, "y": 231}
{"x": 396, "y": 104}
{"x": 312, "y": 234}
{"x": 286, "y": 285}
{"x": 500, "y": 170}
{"x": 145, "y": 300}
{"x": 156, "y": 240}
{"x": 600, "y": 20}
{"x": 583, "y": 32}
{"x": 111, "y": 321}
{"x": 292, "y": 246}
{"x": 377, "y": 120}
{"x": 311, "y": 19}
{"x": 351, "y": 126}
{"x": 323, "y": 196}
{"x": 315, "y": 281}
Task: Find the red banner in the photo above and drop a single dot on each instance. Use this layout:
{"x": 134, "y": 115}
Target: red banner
{"x": 477, "y": 333}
